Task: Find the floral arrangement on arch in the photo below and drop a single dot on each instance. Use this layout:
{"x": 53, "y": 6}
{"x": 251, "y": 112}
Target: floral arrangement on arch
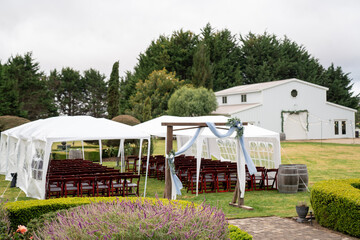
{"x": 236, "y": 123}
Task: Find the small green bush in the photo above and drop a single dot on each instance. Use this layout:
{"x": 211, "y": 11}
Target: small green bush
{"x": 21, "y": 212}
{"x": 238, "y": 234}
{"x": 336, "y": 205}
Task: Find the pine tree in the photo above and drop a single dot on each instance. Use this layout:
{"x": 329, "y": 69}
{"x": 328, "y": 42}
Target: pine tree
{"x": 340, "y": 86}
{"x": 9, "y": 104}
{"x": 69, "y": 89}
{"x": 25, "y": 88}
{"x": 113, "y": 92}
{"x": 201, "y": 69}
{"x": 127, "y": 89}
{"x": 95, "y": 93}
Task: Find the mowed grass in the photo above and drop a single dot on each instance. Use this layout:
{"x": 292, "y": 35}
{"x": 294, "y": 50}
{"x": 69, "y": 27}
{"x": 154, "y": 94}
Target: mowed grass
{"x": 324, "y": 161}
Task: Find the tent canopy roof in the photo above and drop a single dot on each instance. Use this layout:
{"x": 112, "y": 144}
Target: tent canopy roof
{"x": 154, "y": 127}
{"x": 72, "y": 128}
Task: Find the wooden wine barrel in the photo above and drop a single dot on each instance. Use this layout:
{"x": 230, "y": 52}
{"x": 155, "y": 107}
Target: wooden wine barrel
{"x": 303, "y": 177}
{"x": 288, "y": 178}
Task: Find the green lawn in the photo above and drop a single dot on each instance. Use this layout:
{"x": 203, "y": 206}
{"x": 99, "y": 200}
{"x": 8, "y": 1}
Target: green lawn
{"x": 324, "y": 161}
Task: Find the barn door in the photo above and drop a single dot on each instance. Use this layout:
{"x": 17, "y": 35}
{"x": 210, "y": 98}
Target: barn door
{"x": 295, "y": 125}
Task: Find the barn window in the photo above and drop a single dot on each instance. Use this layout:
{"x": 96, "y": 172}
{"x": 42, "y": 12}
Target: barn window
{"x": 243, "y": 98}
{"x": 224, "y": 99}
{"x": 336, "y": 125}
{"x": 294, "y": 93}
{"x": 343, "y": 127}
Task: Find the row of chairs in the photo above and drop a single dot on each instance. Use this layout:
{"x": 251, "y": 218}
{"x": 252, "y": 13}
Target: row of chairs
{"x": 224, "y": 180}
{"x": 215, "y": 176}
{"x": 79, "y": 177}
{"x": 95, "y": 186}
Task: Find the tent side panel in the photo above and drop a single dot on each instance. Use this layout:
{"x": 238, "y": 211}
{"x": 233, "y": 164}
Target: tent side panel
{"x": 37, "y": 176}
{"x": 3, "y": 153}
{"x": 13, "y": 147}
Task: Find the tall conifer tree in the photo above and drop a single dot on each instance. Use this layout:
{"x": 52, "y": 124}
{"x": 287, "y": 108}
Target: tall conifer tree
{"x": 113, "y": 92}
{"x": 201, "y": 69}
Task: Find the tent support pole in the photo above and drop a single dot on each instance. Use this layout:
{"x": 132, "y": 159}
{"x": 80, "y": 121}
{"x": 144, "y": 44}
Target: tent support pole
{"x": 82, "y": 146}
{"x": 147, "y": 166}
{"x": 121, "y": 155}
{"x": 169, "y": 147}
{"x": 100, "y": 151}
{"x": 140, "y": 155}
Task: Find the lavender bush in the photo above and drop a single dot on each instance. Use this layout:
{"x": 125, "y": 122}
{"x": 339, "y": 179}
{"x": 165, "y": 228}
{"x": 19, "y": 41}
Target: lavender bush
{"x": 122, "y": 219}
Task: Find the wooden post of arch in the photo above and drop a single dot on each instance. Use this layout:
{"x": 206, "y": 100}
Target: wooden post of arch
{"x": 169, "y": 146}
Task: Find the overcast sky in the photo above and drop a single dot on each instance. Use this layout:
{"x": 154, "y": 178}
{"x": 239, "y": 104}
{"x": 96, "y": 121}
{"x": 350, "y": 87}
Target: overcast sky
{"x": 85, "y": 34}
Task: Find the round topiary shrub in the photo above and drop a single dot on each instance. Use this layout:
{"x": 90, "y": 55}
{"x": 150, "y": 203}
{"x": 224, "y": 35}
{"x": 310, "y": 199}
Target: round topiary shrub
{"x": 7, "y": 122}
{"x": 336, "y": 204}
{"x": 126, "y": 119}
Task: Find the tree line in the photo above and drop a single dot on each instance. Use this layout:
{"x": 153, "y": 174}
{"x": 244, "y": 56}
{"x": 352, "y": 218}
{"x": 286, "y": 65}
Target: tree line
{"x": 186, "y": 63}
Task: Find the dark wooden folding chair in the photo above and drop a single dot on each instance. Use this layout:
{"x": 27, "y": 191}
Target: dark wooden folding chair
{"x": 249, "y": 181}
{"x": 209, "y": 181}
{"x": 192, "y": 181}
{"x": 160, "y": 170}
{"x": 103, "y": 185}
{"x": 71, "y": 186}
{"x": 87, "y": 186}
{"x": 55, "y": 187}
{"x": 222, "y": 180}
{"x": 259, "y": 179}
{"x": 132, "y": 182}
{"x": 118, "y": 185}
{"x": 271, "y": 178}
{"x": 232, "y": 179}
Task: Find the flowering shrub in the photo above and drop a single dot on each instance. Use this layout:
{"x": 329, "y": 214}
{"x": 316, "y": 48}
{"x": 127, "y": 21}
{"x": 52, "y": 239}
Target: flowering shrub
{"x": 4, "y": 222}
{"x": 144, "y": 219}
{"x": 5, "y": 233}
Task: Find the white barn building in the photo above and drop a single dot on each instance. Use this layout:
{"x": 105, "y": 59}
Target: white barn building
{"x": 294, "y": 107}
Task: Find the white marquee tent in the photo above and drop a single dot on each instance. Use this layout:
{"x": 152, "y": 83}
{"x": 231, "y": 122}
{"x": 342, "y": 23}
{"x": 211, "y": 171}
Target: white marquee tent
{"x": 26, "y": 149}
{"x": 263, "y": 145}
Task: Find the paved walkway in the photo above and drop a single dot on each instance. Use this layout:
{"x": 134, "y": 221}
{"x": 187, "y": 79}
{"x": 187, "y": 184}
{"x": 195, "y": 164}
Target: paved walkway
{"x": 276, "y": 228}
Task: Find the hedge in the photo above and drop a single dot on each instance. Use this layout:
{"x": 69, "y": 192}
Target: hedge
{"x": 336, "y": 205}
{"x": 21, "y": 212}
{"x": 89, "y": 155}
